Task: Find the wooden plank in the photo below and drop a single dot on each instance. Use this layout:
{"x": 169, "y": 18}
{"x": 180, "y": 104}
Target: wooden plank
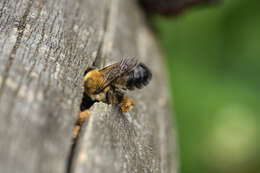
{"x": 141, "y": 141}
{"x": 45, "y": 46}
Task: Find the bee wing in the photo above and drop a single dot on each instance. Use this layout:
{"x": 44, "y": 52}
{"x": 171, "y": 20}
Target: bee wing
{"x": 114, "y": 71}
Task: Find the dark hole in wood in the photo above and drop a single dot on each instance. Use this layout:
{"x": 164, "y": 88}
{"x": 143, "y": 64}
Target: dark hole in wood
{"x": 86, "y": 102}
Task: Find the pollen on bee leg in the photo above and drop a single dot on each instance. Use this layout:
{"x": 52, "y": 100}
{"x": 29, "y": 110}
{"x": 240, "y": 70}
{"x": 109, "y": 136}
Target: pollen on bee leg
{"x": 76, "y": 131}
{"x": 81, "y": 118}
{"x": 126, "y": 104}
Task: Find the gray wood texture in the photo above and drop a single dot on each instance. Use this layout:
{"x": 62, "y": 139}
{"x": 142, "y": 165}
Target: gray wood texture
{"x": 45, "y": 47}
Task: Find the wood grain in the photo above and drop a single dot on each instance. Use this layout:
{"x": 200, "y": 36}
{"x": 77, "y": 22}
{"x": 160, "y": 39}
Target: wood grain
{"x": 45, "y": 47}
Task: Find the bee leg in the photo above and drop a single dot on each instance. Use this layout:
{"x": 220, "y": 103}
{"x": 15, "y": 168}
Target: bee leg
{"x": 81, "y": 118}
{"x": 118, "y": 97}
{"x": 109, "y": 97}
{"x": 126, "y": 104}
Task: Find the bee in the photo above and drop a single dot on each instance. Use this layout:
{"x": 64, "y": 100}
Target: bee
{"x": 109, "y": 84}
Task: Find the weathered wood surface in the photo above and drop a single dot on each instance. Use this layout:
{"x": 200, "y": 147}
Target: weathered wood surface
{"x": 45, "y": 46}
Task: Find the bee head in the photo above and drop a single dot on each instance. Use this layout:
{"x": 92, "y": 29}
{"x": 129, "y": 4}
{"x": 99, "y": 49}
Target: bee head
{"x": 92, "y": 81}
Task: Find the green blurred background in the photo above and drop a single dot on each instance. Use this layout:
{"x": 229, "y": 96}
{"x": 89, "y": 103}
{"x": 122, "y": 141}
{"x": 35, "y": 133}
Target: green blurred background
{"x": 213, "y": 57}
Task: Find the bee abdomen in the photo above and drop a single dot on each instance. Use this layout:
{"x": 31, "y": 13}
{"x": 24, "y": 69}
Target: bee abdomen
{"x": 139, "y": 77}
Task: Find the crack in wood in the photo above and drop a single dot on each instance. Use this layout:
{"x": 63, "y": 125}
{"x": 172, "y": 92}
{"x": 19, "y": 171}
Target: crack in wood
{"x": 97, "y": 60}
{"x": 107, "y": 36}
{"x": 20, "y": 29}
{"x": 97, "y": 63}
{"x": 2, "y": 9}
{"x": 75, "y": 143}
{"x": 85, "y": 105}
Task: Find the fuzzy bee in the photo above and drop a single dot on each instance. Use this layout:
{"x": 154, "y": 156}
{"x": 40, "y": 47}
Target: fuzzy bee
{"x": 108, "y": 85}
